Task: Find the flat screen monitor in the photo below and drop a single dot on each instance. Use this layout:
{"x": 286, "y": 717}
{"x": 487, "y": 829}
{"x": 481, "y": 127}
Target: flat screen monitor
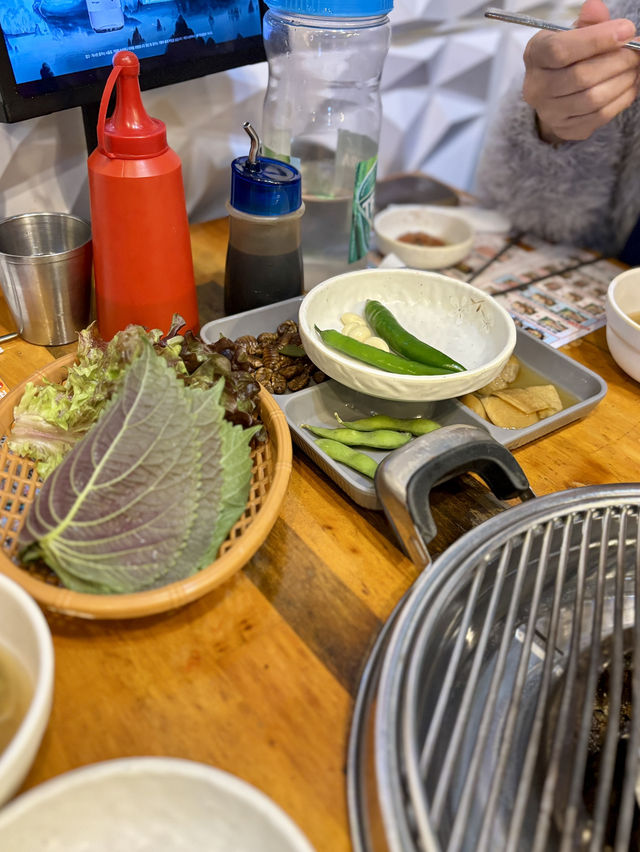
{"x": 56, "y": 54}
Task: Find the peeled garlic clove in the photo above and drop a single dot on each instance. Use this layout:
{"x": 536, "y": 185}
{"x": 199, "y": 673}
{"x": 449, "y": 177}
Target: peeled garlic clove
{"x": 347, "y": 319}
{"x": 357, "y": 330}
{"x": 378, "y": 342}
{"x": 349, "y": 327}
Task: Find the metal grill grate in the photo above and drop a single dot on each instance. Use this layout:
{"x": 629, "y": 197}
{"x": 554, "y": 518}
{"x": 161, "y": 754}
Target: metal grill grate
{"x": 503, "y": 715}
{"x": 502, "y": 760}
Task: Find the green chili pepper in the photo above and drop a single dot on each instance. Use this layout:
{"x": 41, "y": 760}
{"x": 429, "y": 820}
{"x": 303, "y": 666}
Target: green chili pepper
{"x": 414, "y": 425}
{"x": 381, "y": 439}
{"x": 386, "y": 326}
{"x": 352, "y": 458}
{"x": 376, "y": 357}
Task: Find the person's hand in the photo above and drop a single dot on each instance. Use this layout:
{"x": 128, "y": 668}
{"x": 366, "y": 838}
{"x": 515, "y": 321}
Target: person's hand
{"x": 578, "y": 80}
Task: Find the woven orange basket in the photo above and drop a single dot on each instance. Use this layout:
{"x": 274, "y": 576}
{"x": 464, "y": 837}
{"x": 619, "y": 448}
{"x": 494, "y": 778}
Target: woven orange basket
{"x": 19, "y": 483}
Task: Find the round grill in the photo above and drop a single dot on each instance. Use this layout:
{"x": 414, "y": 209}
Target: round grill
{"x": 496, "y": 712}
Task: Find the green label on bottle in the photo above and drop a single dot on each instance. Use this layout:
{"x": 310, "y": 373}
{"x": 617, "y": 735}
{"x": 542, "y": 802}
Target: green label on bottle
{"x": 363, "y": 208}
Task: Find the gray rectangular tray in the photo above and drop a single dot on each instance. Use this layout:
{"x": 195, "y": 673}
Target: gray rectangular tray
{"x": 317, "y": 404}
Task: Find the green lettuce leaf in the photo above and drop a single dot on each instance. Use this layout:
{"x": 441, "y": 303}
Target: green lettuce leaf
{"x": 148, "y": 495}
{"x": 52, "y": 418}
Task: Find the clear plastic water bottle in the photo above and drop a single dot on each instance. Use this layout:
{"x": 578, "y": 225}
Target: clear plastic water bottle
{"x": 322, "y": 113}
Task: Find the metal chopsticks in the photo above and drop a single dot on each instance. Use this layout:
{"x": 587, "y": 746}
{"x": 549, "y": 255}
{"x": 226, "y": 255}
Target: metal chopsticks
{"x": 537, "y": 23}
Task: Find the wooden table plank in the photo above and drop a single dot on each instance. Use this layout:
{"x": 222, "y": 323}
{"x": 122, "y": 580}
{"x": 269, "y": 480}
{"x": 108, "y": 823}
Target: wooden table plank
{"x": 225, "y": 681}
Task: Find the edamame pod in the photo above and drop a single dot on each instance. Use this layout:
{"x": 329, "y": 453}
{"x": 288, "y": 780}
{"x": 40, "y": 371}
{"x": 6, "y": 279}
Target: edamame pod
{"x": 414, "y": 425}
{"x": 381, "y": 439}
{"x": 386, "y": 326}
{"x": 352, "y": 458}
{"x": 376, "y": 357}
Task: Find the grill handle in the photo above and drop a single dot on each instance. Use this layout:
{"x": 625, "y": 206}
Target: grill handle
{"x": 404, "y": 479}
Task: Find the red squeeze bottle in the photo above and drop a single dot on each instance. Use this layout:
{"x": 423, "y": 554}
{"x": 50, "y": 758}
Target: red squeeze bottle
{"x": 143, "y": 266}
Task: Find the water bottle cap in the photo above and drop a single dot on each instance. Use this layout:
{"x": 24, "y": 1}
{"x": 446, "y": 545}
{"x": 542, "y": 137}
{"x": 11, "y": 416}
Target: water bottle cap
{"x": 130, "y": 133}
{"x": 265, "y": 187}
{"x": 333, "y": 8}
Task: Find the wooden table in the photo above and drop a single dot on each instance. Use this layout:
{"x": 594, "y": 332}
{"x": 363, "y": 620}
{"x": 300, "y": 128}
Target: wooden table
{"x": 259, "y": 677}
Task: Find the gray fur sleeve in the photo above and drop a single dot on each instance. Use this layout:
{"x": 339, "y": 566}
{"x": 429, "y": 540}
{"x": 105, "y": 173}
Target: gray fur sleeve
{"x": 584, "y": 193}
{"x": 557, "y": 192}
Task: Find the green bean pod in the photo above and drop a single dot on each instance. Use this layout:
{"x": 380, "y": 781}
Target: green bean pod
{"x": 381, "y": 439}
{"x": 386, "y": 326}
{"x": 413, "y": 425}
{"x": 352, "y": 458}
{"x": 376, "y": 357}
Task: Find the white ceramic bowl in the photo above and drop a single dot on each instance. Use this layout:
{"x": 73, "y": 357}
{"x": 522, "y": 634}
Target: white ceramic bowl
{"x": 148, "y": 804}
{"x": 25, "y": 633}
{"x": 452, "y": 316}
{"x": 623, "y": 335}
{"x": 393, "y": 222}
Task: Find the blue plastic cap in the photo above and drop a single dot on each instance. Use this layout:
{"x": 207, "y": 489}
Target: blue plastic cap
{"x": 266, "y": 188}
{"x": 333, "y": 8}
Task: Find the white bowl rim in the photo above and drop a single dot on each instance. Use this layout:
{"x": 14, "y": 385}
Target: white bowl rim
{"x": 398, "y": 209}
{"x": 434, "y": 381}
{"x": 37, "y": 714}
{"x": 611, "y": 297}
{"x": 159, "y": 765}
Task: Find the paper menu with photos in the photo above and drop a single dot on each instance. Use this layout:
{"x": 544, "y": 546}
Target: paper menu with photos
{"x": 554, "y": 292}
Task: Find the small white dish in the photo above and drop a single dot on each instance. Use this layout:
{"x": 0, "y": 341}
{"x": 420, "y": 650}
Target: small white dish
{"x": 455, "y": 231}
{"x": 25, "y": 634}
{"x": 623, "y": 334}
{"x": 148, "y": 804}
{"x": 452, "y": 316}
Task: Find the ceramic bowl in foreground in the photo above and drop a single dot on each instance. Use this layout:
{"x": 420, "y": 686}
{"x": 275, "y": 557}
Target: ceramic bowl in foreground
{"x": 26, "y": 650}
{"x": 454, "y": 231}
{"x": 623, "y": 332}
{"x": 148, "y": 804}
{"x": 452, "y": 316}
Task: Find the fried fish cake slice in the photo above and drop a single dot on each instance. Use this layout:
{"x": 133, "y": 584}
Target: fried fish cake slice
{"x": 533, "y": 398}
{"x": 508, "y": 374}
{"x": 475, "y": 404}
{"x": 501, "y": 413}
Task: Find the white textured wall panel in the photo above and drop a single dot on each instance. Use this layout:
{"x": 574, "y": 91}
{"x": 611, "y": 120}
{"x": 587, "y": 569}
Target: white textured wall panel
{"x": 442, "y": 81}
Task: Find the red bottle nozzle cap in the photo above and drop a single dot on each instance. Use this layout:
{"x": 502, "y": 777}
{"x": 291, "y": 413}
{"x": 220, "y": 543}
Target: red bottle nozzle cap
{"x": 131, "y": 132}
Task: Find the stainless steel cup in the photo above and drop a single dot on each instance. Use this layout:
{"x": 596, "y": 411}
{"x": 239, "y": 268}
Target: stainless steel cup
{"x": 45, "y": 274}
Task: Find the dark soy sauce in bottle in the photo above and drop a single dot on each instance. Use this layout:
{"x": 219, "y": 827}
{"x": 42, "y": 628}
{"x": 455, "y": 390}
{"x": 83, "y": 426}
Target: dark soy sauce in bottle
{"x": 264, "y": 257}
{"x": 259, "y": 279}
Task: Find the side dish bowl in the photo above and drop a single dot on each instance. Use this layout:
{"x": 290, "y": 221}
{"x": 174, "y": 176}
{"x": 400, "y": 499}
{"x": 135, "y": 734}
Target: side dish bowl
{"x": 394, "y": 222}
{"x": 452, "y": 316}
{"x": 623, "y": 334}
{"x": 25, "y": 636}
{"x": 148, "y": 803}
{"x": 271, "y": 472}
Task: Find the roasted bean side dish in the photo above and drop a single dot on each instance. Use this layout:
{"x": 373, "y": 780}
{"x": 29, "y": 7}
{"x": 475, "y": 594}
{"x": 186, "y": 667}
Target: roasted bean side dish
{"x": 278, "y": 361}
